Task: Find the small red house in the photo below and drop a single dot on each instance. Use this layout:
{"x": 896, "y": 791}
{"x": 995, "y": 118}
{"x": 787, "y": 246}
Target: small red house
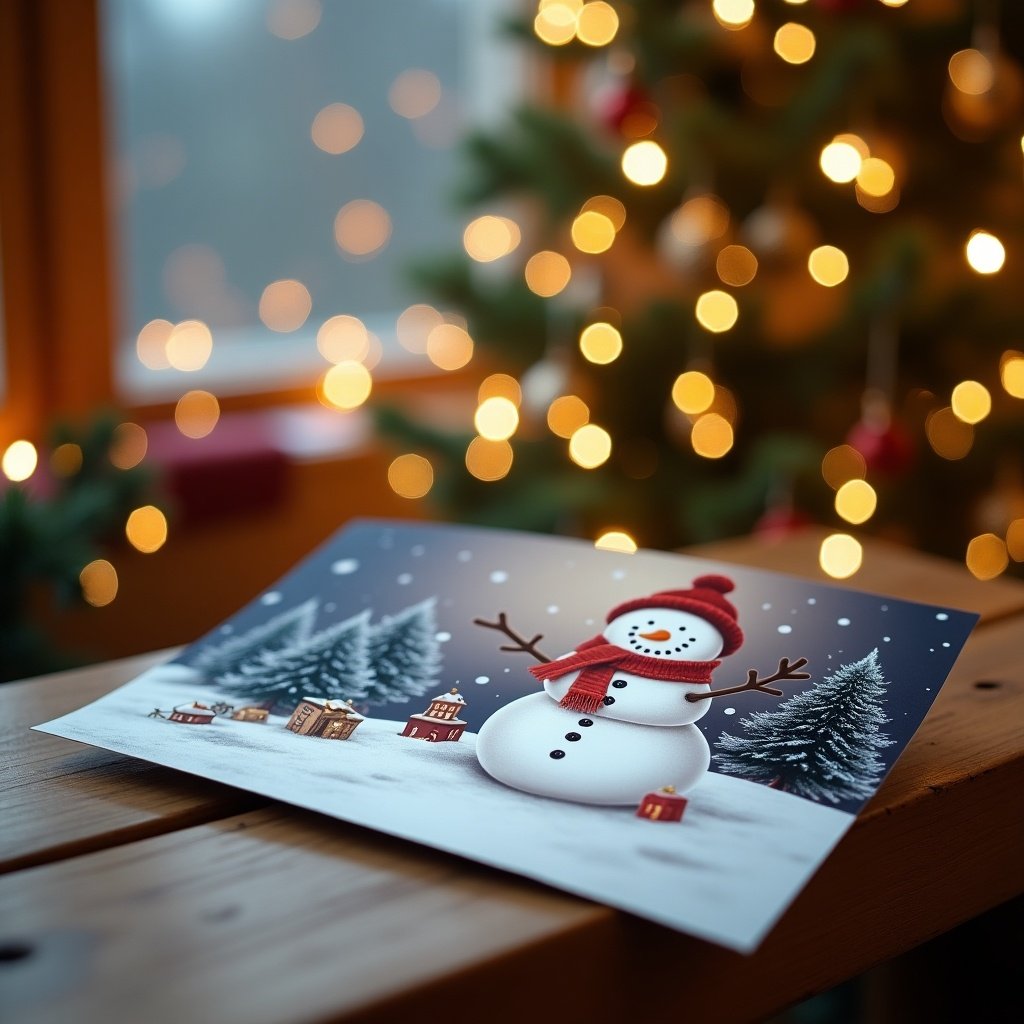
{"x": 665, "y": 805}
{"x": 192, "y": 714}
{"x": 440, "y": 722}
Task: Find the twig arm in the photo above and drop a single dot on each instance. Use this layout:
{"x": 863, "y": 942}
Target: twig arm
{"x": 786, "y": 671}
{"x": 521, "y": 643}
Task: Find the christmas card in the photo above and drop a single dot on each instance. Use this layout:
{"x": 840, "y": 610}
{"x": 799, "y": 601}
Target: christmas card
{"x": 678, "y": 738}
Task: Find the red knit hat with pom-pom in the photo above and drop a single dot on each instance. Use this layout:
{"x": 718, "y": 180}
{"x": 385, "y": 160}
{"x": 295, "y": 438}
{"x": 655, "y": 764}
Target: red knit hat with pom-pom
{"x": 706, "y": 599}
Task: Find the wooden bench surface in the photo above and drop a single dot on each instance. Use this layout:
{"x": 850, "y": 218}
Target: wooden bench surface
{"x": 134, "y": 892}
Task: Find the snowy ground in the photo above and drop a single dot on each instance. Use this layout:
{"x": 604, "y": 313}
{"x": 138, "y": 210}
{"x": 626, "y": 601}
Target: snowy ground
{"x": 725, "y": 873}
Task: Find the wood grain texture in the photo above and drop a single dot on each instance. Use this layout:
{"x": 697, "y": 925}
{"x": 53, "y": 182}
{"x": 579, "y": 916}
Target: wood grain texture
{"x": 61, "y": 798}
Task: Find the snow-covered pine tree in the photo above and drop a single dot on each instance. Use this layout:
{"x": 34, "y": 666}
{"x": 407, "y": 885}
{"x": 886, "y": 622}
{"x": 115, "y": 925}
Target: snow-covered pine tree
{"x": 332, "y": 665}
{"x": 823, "y": 743}
{"x": 405, "y": 654}
{"x": 289, "y": 629}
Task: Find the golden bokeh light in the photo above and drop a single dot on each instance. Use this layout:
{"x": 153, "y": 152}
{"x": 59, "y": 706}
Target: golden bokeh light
{"x": 693, "y": 392}
{"x": 1015, "y": 540}
{"x": 590, "y": 446}
{"x": 293, "y": 19}
{"x": 196, "y": 414}
{"x": 985, "y": 253}
{"x": 189, "y": 345}
{"x": 600, "y": 343}
{"x": 716, "y": 311}
{"x": 555, "y": 23}
{"x": 488, "y": 238}
{"x": 415, "y": 325}
{"x": 66, "y": 459}
{"x": 547, "y": 273}
{"x": 500, "y": 385}
{"x": 736, "y": 266}
{"x": 987, "y": 556}
{"x": 566, "y": 415}
{"x": 151, "y": 344}
{"x": 842, "y": 464}
{"x": 856, "y": 501}
{"x": 878, "y": 204}
{"x": 971, "y": 401}
{"x": 840, "y": 161}
{"x": 828, "y": 265}
{"x": 948, "y": 435}
{"x": 343, "y": 338}
{"x": 449, "y": 347}
{"x": 700, "y": 220}
{"x": 128, "y": 445}
{"x": 644, "y": 163}
{"x": 616, "y": 540}
{"x": 856, "y": 141}
{"x": 285, "y": 305}
{"x": 489, "y": 460}
{"x": 593, "y": 232}
{"x": 794, "y": 43}
{"x": 711, "y": 436}
{"x": 876, "y": 178}
{"x": 1011, "y": 373}
{"x": 337, "y": 128}
{"x": 496, "y": 419}
{"x": 411, "y": 476}
{"x": 98, "y": 581}
{"x": 362, "y": 227}
{"x": 414, "y": 93}
{"x": 610, "y": 207}
{"x": 733, "y": 14}
{"x": 597, "y": 23}
{"x": 146, "y": 529}
{"x": 971, "y": 72}
{"x": 346, "y": 385}
{"x": 840, "y": 555}
{"x": 19, "y": 461}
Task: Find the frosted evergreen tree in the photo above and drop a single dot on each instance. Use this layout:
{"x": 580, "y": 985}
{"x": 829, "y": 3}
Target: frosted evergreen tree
{"x": 822, "y": 743}
{"x": 289, "y": 629}
{"x": 332, "y": 665}
{"x": 405, "y": 654}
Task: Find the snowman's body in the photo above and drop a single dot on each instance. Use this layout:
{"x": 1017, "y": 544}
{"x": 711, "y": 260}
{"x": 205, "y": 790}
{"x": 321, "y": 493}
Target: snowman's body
{"x": 640, "y": 738}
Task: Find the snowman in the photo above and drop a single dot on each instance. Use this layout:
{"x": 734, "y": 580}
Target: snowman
{"x": 616, "y": 716}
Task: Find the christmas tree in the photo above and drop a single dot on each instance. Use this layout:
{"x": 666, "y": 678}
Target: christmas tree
{"x": 718, "y": 282}
{"x": 332, "y": 665}
{"x": 405, "y": 655}
{"x": 823, "y": 743}
{"x": 288, "y": 630}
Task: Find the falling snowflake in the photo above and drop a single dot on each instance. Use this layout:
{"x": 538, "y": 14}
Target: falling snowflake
{"x": 345, "y": 566}
{"x": 619, "y": 574}
{"x": 443, "y": 637}
{"x": 945, "y": 643}
{"x": 844, "y": 621}
{"x": 271, "y": 597}
{"x": 552, "y": 609}
{"x": 812, "y": 600}
{"x": 766, "y": 607}
{"x": 405, "y": 579}
{"x": 482, "y": 680}
{"x": 417, "y": 550}
{"x": 942, "y": 616}
{"x": 785, "y": 629}
{"x": 464, "y": 556}
{"x": 499, "y": 576}
{"x": 730, "y": 711}
{"x": 330, "y": 606}
{"x": 887, "y": 639}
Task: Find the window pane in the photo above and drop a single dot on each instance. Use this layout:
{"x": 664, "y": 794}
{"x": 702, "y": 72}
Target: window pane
{"x": 280, "y": 162}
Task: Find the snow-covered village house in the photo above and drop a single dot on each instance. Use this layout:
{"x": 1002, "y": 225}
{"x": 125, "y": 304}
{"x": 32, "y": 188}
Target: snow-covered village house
{"x": 328, "y": 719}
{"x": 440, "y": 721}
{"x": 250, "y": 714}
{"x": 192, "y": 713}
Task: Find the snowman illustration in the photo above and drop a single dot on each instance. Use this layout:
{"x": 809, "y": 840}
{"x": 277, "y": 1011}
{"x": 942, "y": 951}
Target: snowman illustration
{"x": 616, "y": 716}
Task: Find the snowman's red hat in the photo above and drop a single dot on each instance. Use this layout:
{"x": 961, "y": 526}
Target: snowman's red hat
{"x": 704, "y": 599}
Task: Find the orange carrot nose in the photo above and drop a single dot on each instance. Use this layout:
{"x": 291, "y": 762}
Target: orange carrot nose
{"x": 658, "y": 634}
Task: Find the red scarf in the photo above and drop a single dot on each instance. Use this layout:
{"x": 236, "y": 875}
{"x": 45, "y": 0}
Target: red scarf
{"x": 600, "y": 660}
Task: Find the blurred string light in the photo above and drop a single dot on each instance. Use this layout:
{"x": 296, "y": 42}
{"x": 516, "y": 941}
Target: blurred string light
{"x": 600, "y": 343}
{"x": 196, "y": 414}
{"x": 985, "y": 253}
{"x": 876, "y": 178}
{"x": 496, "y": 418}
{"x": 488, "y": 238}
{"x": 693, "y": 392}
{"x": 736, "y": 266}
{"x": 1011, "y": 373}
{"x": 449, "y": 347}
{"x": 610, "y": 207}
{"x": 293, "y": 19}
{"x": 592, "y": 232}
{"x": 972, "y": 72}
{"x": 733, "y": 14}
{"x": 128, "y": 445}
{"x": 98, "y": 581}
{"x": 414, "y": 326}
{"x": 337, "y": 128}
{"x": 343, "y": 338}
{"x": 346, "y": 385}
{"x": 414, "y": 93}
{"x": 19, "y": 461}
{"x": 616, "y": 540}
{"x": 566, "y": 415}
{"x": 362, "y": 228}
{"x": 716, "y": 311}
{"x": 189, "y": 345}
{"x": 841, "y": 464}
{"x": 840, "y": 555}
{"x": 712, "y": 436}
{"x": 700, "y": 220}
{"x": 285, "y": 305}
{"x": 971, "y": 401}
{"x": 828, "y": 265}
{"x": 644, "y": 163}
{"x": 794, "y": 43}
{"x": 547, "y": 273}
{"x": 597, "y": 23}
{"x": 489, "y": 460}
{"x": 558, "y": 22}
{"x": 950, "y": 437}
{"x": 500, "y": 385}
{"x": 146, "y": 529}
{"x": 856, "y": 501}
{"x": 840, "y": 161}
{"x": 411, "y": 476}
{"x": 151, "y": 344}
{"x": 986, "y": 556}
{"x": 590, "y": 446}
{"x": 66, "y": 459}
{"x": 1015, "y": 540}
{"x": 885, "y": 3}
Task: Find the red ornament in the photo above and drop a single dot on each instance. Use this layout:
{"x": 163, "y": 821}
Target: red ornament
{"x": 887, "y": 449}
{"x": 628, "y": 110}
{"x": 665, "y": 805}
{"x": 779, "y": 521}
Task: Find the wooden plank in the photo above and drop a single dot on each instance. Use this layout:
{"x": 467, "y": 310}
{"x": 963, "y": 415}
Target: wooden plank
{"x": 60, "y": 798}
{"x": 281, "y": 916}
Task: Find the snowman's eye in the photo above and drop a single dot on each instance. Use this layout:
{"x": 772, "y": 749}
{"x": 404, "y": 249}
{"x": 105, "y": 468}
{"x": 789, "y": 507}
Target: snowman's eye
{"x": 650, "y": 622}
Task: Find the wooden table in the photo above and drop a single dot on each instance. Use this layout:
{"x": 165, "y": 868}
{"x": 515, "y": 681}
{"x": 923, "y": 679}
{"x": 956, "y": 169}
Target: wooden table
{"x": 135, "y": 893}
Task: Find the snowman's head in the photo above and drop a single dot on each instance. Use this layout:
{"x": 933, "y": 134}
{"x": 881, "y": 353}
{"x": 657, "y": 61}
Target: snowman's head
{"x": 665, "y": 633}
{"x": 684, "y": 625}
